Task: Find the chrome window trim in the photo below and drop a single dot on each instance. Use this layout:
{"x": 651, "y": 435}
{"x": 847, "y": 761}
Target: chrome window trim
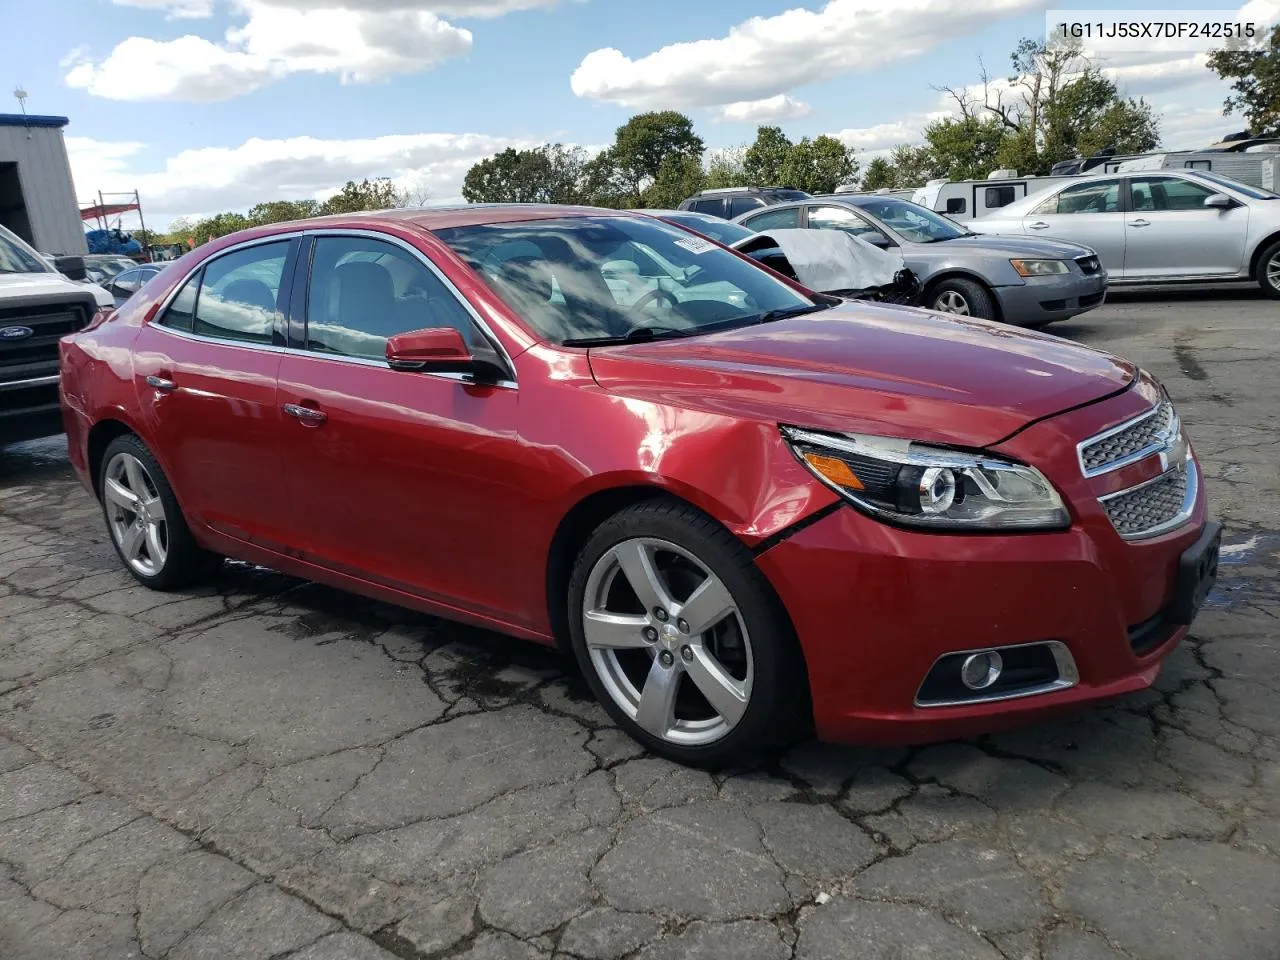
{"x": 1178, "y": 519}
{"x": 155, "y": 323}
{"x": 1162, "y": 441}
{"x": 1068, "y": 676}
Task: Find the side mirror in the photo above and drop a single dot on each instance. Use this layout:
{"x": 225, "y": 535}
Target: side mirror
{"x": 876, "y": 240}
{"x": 435, "y": 349}
{"x": 1219, "y": 201}
{"x": 70, "y": 267}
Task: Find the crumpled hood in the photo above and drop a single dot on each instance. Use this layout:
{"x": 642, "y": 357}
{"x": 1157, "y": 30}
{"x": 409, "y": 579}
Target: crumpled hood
{"x": 1005, "y": 245}
{"x": 867, "y": 368}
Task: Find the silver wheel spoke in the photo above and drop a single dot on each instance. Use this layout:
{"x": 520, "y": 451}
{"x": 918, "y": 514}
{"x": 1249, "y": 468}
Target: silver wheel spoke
{"x": 155, "y": 509}
{"x": 117, "y": 494}
{"x": 707, "y": 605}
{"x": 636, "y": 561}
{"x": 614, "y": 631}
{"x": 137, "y": 482}
{"x": 656, "y": 711}
{"x": 131, "y": 540}
{"x": 155, "y": 546}
{"x": 727, "y": 696}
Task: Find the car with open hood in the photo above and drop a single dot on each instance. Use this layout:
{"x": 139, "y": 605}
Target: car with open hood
{"x": 1026, "y": 281}
{"x": 744, "y": 509}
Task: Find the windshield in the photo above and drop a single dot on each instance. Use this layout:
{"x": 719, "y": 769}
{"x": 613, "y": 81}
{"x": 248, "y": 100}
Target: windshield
{"x": 590, "y": 278}
{"x": 915, "y": 223}
{"x": 722, "y": 231}
{"x": 1257, "y": 193}
{"x": 17, "y": 257}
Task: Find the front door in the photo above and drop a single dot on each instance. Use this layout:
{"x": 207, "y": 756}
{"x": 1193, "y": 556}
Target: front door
{"x": 397, "y": 477}
{"x": 1090, "y": 213}
{"x": 1171, "y": 233}
{"x": 205, "y": 371}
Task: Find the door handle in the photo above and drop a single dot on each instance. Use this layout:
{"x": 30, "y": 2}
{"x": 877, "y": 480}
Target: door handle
{"x": 308, "y": 416}
{"x": 1038, "y": 225}
{"x": 1139, "y": 223}
{"x": 160, "y": 383}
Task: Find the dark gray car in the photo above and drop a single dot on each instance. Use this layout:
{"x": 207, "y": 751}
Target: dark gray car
{"x": 1026, "y": 281}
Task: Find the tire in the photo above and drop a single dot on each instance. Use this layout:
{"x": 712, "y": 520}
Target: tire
{"x": 156, "y": 545}
{"x": 967, "y": 298}
{"x": 747, "y": 656}
{"x": 1269, "y": 271}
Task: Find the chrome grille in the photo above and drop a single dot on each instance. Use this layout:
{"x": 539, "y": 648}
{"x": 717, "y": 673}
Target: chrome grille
{"x": 1144, "y": 435}
{"x": 1146, "y": 510}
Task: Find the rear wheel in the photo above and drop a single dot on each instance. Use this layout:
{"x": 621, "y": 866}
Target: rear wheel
{"x": 965, "y": 298}
{"x": 682, "y": 639}
{"x": 146, "y": 525}
{"x": 1269, "y": 270}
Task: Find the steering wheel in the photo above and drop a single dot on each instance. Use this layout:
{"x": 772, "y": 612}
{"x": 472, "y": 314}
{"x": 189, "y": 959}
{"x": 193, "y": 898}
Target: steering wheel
{"x": 654, "y": 296}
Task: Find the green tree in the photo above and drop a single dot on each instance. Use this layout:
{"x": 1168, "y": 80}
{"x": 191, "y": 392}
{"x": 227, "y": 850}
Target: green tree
{"x": 964, "y": 149}
{"x": 377, "y": 194}
{"x": 551, "y": 173}
{"x": 679, "y": 177}
{"x": 911, "y": 165}
{"x": 764, "y": 159}
{"x": 727, "y": 168}
{"x": 278, "y": 211}
{"x": 646, "y": 140}
{"x": 819, "y": 165}
{"x": 880, "y": 174}
{"x": 1254, "y": 72}
{"x": 607, "y": 183}
{"x": 219, "y": 225}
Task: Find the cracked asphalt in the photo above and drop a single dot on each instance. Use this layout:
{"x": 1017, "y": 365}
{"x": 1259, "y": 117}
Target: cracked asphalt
{"x": 267, "y": 768}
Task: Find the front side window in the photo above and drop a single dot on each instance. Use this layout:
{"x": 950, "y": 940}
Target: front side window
{"x": 784, "y": 218}
{"x": 740, "y": 205}
{"x": 1102, "y": 196}
{"x": 238, "y": 296}
{"x": 364, "y": 290}
{"x": 180, "y": 314}
{"x": 128, "y": 281}
{"x": 17, "y": 257}
{"x": 1167, "y": 193}
{"x": 842, "y": 219}
{"x": 588, "y": 278}
{"x": 915, "y": 223}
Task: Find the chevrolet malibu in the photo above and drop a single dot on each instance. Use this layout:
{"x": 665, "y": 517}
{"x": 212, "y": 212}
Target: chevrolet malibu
{"x": 744, "y": 508}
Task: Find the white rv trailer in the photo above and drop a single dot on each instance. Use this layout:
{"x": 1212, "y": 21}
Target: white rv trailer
{"x": 970, "y": 199}
{"x": 1248, "y": 166}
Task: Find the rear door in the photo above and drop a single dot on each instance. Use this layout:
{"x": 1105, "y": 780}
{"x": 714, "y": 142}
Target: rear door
{"x": 396, "y": 476}
{"x": 1091, "y": 213}
{"x": 1169, "y": 232}
{"x": 205, "y": 371}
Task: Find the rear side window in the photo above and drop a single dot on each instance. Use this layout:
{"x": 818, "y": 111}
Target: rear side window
{"x": 740, "y": 205}
{"x": 180, "y": 314}
{"x": 785, "y": 218}
{"x": 238, "y": 296}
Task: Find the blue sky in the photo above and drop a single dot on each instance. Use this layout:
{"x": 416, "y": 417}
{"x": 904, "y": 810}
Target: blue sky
{"x": 294, "y": 100}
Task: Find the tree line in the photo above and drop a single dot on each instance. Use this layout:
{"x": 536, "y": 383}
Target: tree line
{"x": 1054, "y": 104}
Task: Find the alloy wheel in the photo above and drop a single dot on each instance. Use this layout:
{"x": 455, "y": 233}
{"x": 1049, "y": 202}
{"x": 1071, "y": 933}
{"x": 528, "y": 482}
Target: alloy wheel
{"x": 952, "y": 301}
{"x": 135, "y": 514}
{"x": 1273, "y": 272}
{"x": 667, "y": 641}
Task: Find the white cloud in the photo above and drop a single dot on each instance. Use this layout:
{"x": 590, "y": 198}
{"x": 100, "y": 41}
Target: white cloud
{"x": 211, "y": 179}
{"x": 173, "y": 9}
{"x": 358, "y": 46}
{"x": 765, "y": 56}
{"x": 768, "y": 110}
{"x": 883, "y": 136}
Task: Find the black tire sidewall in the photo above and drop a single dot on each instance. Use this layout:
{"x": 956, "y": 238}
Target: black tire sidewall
{"x": 1266, "y": 257}
{"x": 778, "y": 707}
{"x": 185, "y": 557}
{"x": 981, "y": 305}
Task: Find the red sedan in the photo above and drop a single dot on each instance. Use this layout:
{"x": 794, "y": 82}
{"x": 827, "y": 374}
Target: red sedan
{"x": 740, "y": 505}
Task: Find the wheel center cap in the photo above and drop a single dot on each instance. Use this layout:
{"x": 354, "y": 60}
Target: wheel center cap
{"x": 670, "y": 636}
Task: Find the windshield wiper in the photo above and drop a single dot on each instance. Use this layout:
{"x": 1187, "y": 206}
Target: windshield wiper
{"x": 781, "y": 314}
{"x": 635, "y": 335}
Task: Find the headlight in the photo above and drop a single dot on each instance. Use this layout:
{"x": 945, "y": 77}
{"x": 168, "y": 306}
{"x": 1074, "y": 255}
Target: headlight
{"x": 1039, "y": 268}
{"x": 915, "y": 484}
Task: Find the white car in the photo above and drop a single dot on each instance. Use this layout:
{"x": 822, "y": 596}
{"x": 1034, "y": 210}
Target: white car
{"x": 1169, "y": 226}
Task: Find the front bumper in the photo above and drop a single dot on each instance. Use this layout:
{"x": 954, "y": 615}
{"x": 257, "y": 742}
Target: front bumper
{"x": 875, "y": 606}
{"x": 1040, "y": 300}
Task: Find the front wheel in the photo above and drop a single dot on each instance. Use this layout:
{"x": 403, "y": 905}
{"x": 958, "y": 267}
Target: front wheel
{"x": 965, "y": 298}
{"x": 682, "y": 639}
{"x": 1269, "y": 270}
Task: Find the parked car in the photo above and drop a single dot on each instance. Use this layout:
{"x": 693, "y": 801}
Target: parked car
{"x": 717, "y": 228}
{"x": 38, "y": 304}
{"x": 128, "y": 282}
{"x": 737, "y": 513}
{"x": 731, "y": 202}
{"x": 1171, "y": 226}
{"x": 102, "y": 267}
{"x": 1020, "y": 280}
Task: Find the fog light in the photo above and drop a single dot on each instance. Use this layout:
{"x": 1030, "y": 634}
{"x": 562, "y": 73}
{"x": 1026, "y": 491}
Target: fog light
{"x": 980, "y": 670}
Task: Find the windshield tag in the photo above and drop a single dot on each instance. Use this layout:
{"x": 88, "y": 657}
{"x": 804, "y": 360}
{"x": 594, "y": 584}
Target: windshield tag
{"x": 695, "y": 244}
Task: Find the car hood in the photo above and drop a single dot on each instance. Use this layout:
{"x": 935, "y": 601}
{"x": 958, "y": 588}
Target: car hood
{"x": 1015, "y": 246}
{"x": 870, "y": 369}
{"x": 48, "y": 285}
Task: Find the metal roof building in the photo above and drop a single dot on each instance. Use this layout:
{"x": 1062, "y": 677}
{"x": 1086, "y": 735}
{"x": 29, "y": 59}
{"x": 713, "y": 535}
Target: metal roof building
{"x": 37, "y": 195}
